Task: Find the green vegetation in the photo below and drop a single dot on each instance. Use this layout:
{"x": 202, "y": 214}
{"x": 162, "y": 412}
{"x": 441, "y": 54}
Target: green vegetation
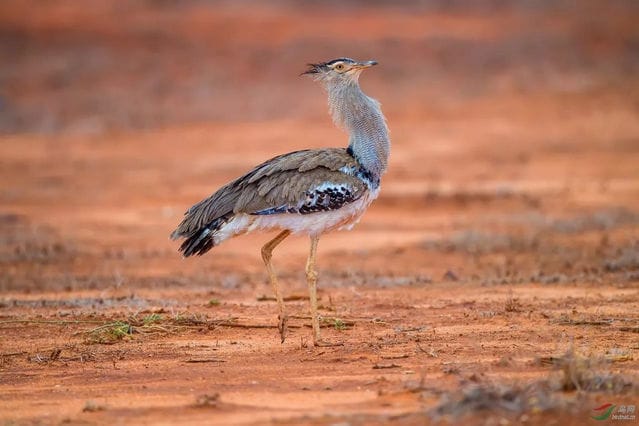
{"x": 152, "y": 319}
{"x": 110, "y": 333}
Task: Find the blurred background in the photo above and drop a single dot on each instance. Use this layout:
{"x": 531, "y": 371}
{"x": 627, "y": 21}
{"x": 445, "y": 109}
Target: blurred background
{"x": 512, "y": 122}
{"x": 101, "y": 66}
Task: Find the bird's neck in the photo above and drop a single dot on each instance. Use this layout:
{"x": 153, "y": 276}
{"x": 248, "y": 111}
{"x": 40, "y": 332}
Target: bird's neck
{"x": 362, "y": 118}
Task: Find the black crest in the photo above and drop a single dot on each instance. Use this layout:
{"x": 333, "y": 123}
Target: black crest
{"x": 315, "y": 68}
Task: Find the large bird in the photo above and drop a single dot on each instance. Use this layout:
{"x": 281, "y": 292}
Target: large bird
{"x": 310, "y": 192}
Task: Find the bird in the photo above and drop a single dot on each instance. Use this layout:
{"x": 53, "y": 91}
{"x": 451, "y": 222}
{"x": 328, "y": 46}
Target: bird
{"x": 310, "y": 191}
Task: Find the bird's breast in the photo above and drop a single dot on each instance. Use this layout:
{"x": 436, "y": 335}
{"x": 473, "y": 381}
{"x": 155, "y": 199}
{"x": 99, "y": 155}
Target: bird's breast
{"x": 315, "y": 223}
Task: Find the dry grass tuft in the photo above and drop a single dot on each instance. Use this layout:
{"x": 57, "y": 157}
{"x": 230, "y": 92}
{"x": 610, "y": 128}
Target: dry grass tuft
{"x": 586, "y": 374}
{"x": 573, "y": 372}
{"x": 154, "y": 323}
{"x": 512, "y": 304}
{"x": 535, "y": 397}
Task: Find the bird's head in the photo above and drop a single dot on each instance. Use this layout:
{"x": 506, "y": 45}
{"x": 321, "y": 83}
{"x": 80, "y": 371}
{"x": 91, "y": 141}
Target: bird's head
{"x": 341, "y": 70}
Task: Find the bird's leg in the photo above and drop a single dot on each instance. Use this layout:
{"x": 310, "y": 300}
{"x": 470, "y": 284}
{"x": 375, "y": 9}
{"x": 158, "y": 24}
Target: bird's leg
{"x": 267, "y": 254}
{"x": 311, "y": 279}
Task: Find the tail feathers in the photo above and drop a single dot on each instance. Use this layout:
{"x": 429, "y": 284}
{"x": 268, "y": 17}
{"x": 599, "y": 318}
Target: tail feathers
{"x": 200, "y": 241}
{"x": 198, "y": 244}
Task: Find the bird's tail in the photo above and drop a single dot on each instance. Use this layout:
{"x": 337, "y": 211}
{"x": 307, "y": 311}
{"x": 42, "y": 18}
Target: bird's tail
{"x": 201, "y": 240}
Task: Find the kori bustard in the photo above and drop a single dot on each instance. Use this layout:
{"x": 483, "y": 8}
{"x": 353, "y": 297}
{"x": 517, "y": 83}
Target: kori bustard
{"x": 310, "y": 192}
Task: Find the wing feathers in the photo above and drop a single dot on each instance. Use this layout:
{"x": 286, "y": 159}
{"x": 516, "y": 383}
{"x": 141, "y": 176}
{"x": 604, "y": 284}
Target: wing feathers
{"x": 279, "y": 185}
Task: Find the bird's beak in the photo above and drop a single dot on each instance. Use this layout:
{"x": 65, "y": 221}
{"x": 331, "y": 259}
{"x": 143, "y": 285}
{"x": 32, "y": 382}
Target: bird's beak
{"x": 365, "y": 64}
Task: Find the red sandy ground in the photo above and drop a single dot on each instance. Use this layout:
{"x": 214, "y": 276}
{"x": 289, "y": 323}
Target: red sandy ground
{"x": 506, "y": 235}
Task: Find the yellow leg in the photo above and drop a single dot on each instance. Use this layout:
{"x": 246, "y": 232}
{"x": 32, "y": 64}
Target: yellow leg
{"x": 311, "y": 278}
{"x": 267, "y": 254}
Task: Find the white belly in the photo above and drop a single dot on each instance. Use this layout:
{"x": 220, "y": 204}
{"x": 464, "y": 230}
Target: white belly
{"x": 310, "y": 224}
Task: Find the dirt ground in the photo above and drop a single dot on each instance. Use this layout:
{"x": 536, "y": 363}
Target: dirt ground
{"x": 495, "y": 280}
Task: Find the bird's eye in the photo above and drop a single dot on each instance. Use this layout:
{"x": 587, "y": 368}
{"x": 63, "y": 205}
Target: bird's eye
{"x": 339, "y": 67}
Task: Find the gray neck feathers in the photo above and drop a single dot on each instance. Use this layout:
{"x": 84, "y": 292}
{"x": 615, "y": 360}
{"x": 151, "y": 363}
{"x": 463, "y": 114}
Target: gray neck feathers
{"x": 362, "y": 118}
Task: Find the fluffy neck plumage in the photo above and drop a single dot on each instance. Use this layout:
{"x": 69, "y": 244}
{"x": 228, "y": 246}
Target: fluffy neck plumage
{"x": 361, "y": 116}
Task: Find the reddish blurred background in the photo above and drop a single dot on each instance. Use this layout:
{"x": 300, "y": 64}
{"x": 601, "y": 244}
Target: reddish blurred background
{"x": 118, "y": 115}
{"x": 97, "y": 66}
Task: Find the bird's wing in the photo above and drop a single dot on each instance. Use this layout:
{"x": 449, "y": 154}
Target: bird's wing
{"x": 299, "y": 182}
{"x": 317, "y": 189}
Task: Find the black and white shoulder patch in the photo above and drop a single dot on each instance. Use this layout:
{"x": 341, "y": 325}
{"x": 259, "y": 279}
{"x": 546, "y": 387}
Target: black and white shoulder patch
{"x": 325, "y": 197}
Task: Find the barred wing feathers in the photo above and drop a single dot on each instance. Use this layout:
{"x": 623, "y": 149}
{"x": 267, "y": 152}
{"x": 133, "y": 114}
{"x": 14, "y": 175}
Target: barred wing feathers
{"x": 300, "y": 182}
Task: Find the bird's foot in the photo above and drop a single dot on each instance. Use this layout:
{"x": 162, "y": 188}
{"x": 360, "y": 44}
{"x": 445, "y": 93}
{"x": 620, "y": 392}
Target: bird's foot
{"x": 282, "y": 326}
